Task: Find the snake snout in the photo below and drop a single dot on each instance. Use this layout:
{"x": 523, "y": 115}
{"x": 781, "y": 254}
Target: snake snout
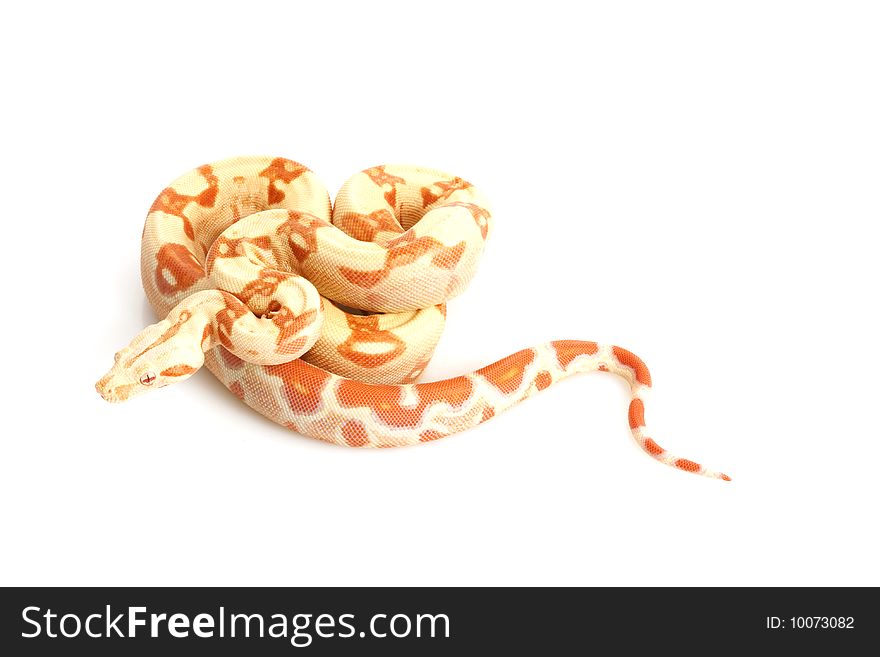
{"x": 107, "y": 392}
{"x": 110, "y": 391}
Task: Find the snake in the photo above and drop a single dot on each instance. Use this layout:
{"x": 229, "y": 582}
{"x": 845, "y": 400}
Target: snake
{"x": 321, "y": 315}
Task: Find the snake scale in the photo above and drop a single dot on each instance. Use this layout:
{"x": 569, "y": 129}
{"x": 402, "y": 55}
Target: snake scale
{"x": 321, "y": 316}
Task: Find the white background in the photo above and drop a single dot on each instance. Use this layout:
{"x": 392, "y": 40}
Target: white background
{"x": 697, "y": 182}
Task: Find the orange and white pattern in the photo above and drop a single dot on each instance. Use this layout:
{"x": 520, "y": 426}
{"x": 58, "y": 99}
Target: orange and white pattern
{"x": 322, "y": 316}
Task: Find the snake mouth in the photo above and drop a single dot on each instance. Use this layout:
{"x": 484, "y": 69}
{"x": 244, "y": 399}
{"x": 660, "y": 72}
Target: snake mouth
{"x": 111, "y": 393}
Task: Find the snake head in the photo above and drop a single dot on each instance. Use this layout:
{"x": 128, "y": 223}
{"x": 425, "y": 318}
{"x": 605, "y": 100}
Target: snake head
{"x": 159, "y": 355}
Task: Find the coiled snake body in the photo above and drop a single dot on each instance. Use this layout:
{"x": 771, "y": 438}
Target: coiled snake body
{"x": 322, "y": 316}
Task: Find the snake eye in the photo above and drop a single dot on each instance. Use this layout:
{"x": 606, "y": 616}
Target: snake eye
{"x": 147, "y": 378}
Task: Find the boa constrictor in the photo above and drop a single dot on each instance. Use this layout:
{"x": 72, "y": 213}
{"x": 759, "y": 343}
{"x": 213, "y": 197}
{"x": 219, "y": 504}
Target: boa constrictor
{"x": 321, "y": 316}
